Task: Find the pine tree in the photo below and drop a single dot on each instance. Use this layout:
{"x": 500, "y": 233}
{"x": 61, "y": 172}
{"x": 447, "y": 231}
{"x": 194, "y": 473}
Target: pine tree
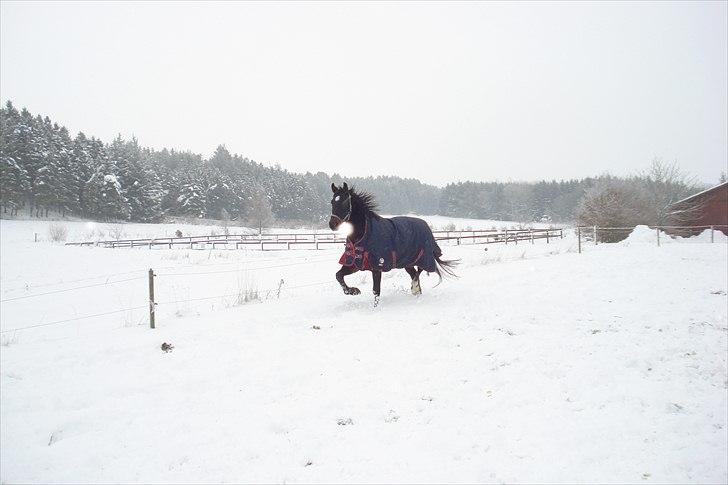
{"x": 14, "y": 182}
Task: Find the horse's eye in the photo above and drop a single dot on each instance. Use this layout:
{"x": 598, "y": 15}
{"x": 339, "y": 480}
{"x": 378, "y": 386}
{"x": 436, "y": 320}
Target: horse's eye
{"x": 337, "y": 198}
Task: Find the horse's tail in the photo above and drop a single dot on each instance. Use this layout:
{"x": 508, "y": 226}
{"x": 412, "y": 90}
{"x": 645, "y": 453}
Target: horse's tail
{"x": 445, "y": 266}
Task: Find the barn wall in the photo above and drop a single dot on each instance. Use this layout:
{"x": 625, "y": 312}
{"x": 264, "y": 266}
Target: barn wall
{"x": 715, "y": 210}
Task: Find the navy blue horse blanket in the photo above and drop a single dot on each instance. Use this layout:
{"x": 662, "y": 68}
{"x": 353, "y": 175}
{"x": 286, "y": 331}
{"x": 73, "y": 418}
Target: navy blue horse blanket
{"x": 387, "y": 243}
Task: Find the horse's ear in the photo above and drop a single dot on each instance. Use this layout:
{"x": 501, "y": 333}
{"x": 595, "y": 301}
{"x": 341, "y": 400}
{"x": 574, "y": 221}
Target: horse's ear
{"x": 333, "y": 187}
{"x": 345, "y": 187}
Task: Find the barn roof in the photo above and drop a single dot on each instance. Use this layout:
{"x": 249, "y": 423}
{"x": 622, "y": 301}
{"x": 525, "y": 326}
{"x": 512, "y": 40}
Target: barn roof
{"x": 703, "y": 193}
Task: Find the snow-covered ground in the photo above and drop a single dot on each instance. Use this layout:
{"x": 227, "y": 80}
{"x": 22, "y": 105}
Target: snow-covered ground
{"x": 537, "y": 365}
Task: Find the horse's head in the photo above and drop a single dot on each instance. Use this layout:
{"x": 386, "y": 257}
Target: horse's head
{"x": 341, "y": 206}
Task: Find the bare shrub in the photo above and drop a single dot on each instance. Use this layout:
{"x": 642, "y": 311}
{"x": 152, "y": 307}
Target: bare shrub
{"x": 225, "y": 222}
{"x": 178, "y": 233}
{"x": 57, "y": 232}
{"x": 247, "y": 290}
{"x": 613, "y": 203}
{"x": 246, "y": 295}
{"x": 649, "y": 198}
{"x": 449, "y": 227}
{"x": 259, "y": 211}
{"x": 663, "y": 185}
{"x": 116, "y": 231}
{"x": 8, "y": 340}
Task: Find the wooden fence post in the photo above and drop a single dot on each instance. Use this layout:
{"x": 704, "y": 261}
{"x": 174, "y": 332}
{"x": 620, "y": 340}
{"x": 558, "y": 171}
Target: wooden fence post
{"x": 530, "y": 232}
{"x": 151, "y": 298}
{"x": 578, "y": 236}
{"x": 658, "y": 236}
{"x": 595, "y": 235}
{"x": 711, "y": 233}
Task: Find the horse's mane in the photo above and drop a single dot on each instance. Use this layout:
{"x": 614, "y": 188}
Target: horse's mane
{"x": 365, "y": 200}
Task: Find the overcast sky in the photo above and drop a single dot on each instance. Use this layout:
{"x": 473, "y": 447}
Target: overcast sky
{"x": 441, "y": 92}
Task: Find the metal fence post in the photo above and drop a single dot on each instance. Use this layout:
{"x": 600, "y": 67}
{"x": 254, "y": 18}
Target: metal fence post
{"x": 578, "y": 236}
{"x": 711, "y": 233}
{"x": 151, "y": 298}
{"x": 595, "y": 235}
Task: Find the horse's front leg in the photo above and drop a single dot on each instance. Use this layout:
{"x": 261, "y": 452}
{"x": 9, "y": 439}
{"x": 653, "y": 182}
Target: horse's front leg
{"x": 377, "y": 278}
{"x": 345, "y": 271}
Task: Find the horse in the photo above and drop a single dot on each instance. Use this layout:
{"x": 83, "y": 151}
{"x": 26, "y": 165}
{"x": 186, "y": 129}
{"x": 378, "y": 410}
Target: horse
{"x": 380, "y": 244}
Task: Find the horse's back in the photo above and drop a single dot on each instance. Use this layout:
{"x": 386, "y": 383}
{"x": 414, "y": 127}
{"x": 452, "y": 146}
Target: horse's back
{"x": 407, "y": 227}
{"x": 414, "y": 243}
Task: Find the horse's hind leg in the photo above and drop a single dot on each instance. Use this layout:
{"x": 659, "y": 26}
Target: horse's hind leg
{"x": 377, "y": 286}
{"x": 415, "y": 275}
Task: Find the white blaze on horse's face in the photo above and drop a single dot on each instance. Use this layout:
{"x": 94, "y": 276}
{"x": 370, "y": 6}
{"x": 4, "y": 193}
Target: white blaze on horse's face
{"x": 345, "y": 229}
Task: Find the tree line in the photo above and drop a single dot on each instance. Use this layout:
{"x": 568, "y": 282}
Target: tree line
{"x": 44, "y": 170}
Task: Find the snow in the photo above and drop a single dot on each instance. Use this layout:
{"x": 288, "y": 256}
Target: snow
{"x": 644, "y": 234}
{"x": 537, "y": 365}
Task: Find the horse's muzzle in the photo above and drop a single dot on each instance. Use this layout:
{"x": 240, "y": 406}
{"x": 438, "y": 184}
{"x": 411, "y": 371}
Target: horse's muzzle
{"x": 334, "y": 223}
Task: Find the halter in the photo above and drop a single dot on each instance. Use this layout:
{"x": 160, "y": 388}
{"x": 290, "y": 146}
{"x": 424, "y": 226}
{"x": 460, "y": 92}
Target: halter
{"x": 348, "y": 216}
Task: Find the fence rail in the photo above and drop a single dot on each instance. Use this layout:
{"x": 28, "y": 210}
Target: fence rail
{"x": 315, "y": 240}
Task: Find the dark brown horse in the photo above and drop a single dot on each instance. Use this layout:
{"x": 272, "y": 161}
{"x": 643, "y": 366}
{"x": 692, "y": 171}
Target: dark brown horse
{"x": 379, "y": 244}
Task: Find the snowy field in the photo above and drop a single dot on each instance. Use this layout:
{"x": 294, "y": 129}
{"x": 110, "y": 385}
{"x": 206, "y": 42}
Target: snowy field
{"x": 537, "y": 365}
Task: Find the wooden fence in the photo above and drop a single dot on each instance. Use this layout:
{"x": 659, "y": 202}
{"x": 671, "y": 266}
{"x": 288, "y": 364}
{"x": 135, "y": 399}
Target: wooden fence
{"x": 315, "y": 240}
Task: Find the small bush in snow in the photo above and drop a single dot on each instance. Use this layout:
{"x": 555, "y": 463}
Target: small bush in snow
{"x": 116, "y": 232}
{"x": 225, "y": 222}
{"x": 178, "y": 233}
{"x": 247, "y": 295}
{"x": 9, "y": 340}
{"x": 449, "y": 227}
{"x": 57, "y": 232}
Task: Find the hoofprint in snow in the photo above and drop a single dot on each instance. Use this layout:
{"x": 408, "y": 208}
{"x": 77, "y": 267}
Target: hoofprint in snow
{"x": 537, "y": 365}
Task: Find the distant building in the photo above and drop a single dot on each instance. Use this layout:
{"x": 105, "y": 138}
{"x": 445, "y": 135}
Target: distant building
{"x": 706, "y": 208}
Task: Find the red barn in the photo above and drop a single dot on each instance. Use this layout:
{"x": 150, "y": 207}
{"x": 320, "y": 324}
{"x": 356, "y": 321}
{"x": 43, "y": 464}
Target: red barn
{"x": 706, "y": 208}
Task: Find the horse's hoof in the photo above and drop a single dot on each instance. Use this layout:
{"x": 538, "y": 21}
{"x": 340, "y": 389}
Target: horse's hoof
{"x": 352, "y": 291}
{"x": 416, "y": 288}
{"x": 376, "y": 300}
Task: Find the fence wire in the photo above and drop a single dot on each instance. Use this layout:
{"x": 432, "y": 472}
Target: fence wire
{"x": 74, "y": 319}
{"x": 70, "y": 289}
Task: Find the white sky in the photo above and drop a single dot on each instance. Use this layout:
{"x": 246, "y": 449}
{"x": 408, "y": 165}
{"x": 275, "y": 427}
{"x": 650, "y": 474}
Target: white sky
{"x": 441, "y": 92}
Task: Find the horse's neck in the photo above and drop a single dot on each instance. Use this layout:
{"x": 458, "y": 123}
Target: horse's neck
{"x": 359, "y": 221}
